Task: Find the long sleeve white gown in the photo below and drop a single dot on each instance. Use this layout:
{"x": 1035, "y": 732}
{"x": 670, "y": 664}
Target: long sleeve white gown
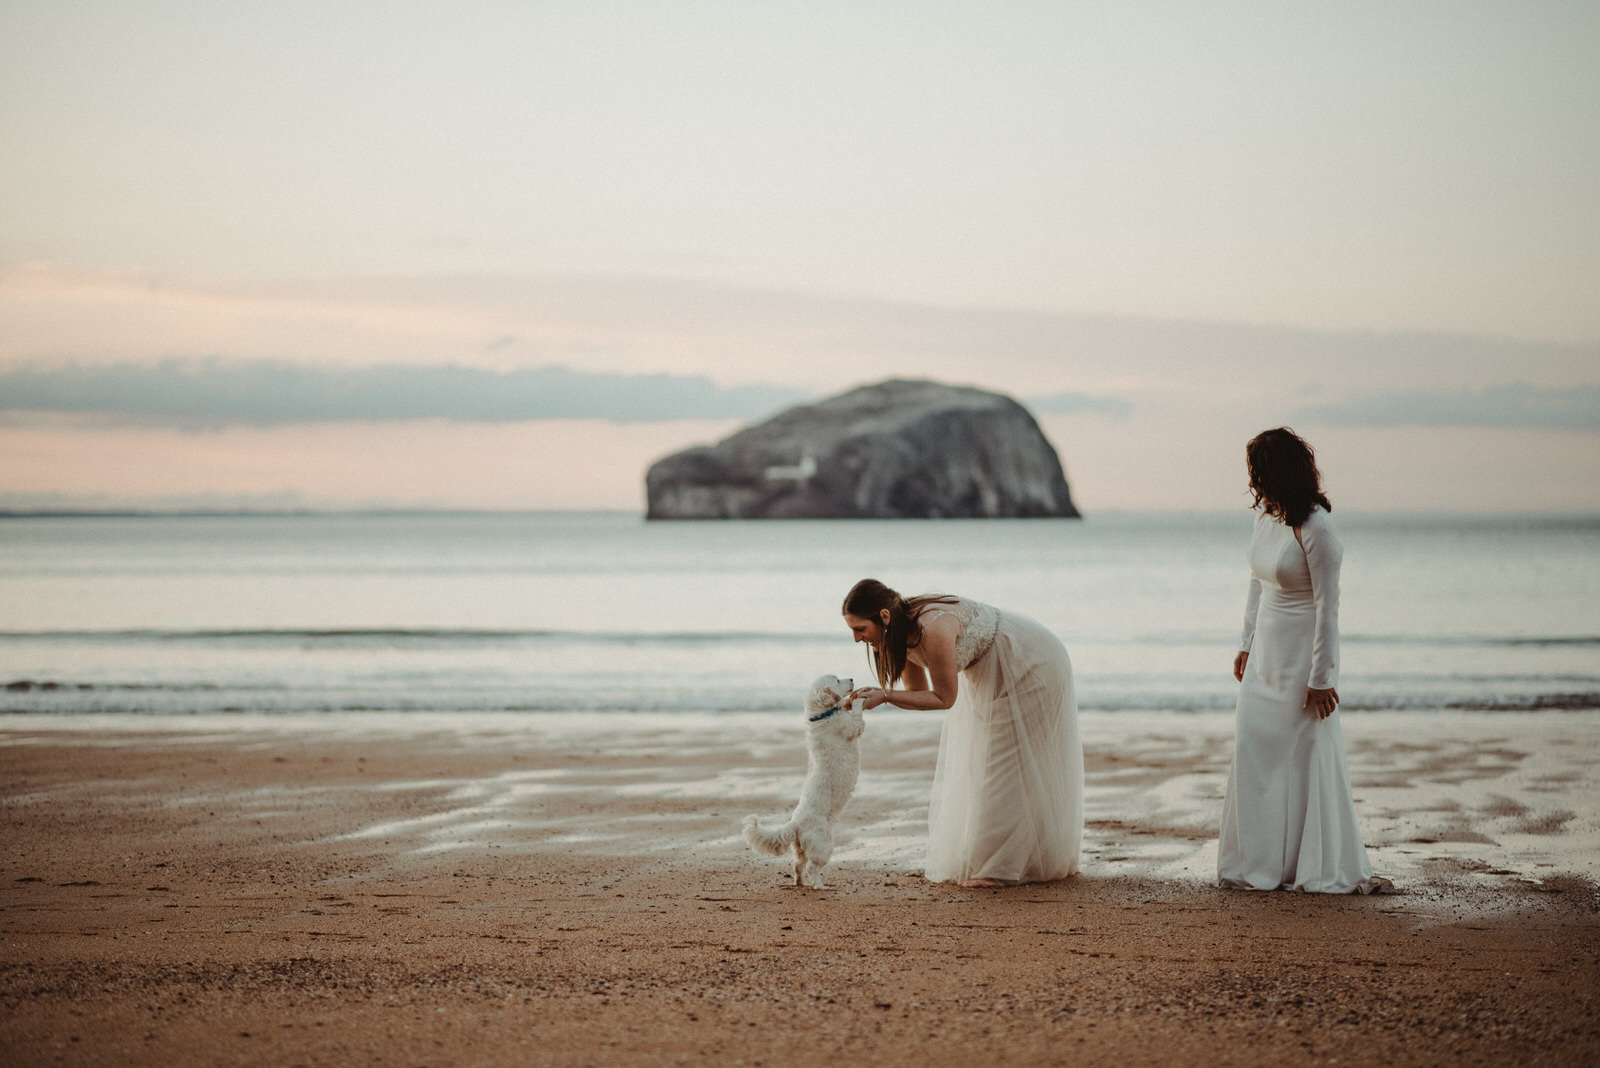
{"x": 1007, "y": 798}
{"x": 1288, "y": 820}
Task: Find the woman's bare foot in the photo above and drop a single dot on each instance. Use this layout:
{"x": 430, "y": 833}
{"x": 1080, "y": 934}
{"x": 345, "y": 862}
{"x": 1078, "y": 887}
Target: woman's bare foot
{"x": 983, "y": 884}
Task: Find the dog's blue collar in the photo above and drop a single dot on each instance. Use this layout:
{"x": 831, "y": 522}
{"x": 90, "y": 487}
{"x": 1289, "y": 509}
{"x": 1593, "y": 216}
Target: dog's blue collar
{"x": 820, "y": 716}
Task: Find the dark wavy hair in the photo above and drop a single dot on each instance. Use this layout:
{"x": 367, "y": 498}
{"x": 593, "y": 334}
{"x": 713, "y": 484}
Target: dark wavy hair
{"x": 868, "y": 599}
{"x": 1283, "y": 476}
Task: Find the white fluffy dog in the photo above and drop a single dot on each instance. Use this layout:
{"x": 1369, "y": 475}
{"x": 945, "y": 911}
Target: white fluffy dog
{"x": 833, "y": 763}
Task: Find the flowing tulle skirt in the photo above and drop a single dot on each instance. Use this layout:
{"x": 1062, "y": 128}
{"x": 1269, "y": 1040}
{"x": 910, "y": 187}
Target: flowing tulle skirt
{"x": 1008, "y": 789}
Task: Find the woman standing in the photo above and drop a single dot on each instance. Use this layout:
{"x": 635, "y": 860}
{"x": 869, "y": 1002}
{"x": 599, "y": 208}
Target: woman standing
{"x": 1007, "y": 802}
{"x": 1288, "y": 820}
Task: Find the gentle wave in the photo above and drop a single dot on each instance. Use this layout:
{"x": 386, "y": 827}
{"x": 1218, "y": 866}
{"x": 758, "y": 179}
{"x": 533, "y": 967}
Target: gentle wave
{"x": 225, "y": 700}
{"x": 409, "y": 636}
{"x": 405, "y": 636}
{"x": 1471, "y": 640}
{"x": 29, "y": 697}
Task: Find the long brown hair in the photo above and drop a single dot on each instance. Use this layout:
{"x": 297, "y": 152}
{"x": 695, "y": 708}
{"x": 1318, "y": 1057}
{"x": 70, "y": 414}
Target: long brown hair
{"x": 868, "y": 599}
{"x": 1283, "y": 476}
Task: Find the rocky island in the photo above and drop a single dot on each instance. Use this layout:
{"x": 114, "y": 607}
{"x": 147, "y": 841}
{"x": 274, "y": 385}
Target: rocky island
{"x": 900, "y": 449}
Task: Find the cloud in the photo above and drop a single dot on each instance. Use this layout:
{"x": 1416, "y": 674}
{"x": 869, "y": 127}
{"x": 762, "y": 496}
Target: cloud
{"x": 1515, "y": 404}
{"x": 812, "y": 344}
{"x": 1073, "y": 403}
{"x": 267, "y": 393}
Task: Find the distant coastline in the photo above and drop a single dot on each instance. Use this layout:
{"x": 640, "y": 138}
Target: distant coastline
{"x": 252, "y": 513}
{"x": 1111, "y": 514}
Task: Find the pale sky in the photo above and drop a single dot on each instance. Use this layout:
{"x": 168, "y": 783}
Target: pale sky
{"x": 503, "y": 255}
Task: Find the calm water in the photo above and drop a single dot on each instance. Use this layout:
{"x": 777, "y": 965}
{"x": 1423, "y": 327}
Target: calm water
{"x": 605, "y": 612}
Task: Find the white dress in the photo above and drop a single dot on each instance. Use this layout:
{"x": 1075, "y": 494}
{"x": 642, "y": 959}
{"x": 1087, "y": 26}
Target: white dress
{"x": 1008, "y": 788}
{"x": 1288, "y": 820}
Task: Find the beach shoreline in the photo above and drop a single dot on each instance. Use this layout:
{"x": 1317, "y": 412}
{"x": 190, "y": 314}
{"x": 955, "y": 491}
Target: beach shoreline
{"x": 548, "y": 889}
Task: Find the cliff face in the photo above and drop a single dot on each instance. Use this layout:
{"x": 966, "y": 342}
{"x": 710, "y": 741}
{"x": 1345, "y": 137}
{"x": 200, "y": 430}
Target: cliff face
{"x": 895, "y": 450}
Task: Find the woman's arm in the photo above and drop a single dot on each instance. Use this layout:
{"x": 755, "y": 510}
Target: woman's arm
{"x": 1324, "y": 554}
{"x": 1252, "y": 605}
{"x": 915, "y": 677}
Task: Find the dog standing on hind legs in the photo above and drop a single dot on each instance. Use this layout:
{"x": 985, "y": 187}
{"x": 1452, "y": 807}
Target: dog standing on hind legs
{"x": 833, "y": 763}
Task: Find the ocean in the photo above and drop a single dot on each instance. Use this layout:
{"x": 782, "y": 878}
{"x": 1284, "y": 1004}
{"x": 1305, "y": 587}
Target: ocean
{"x": 600, "y": 613}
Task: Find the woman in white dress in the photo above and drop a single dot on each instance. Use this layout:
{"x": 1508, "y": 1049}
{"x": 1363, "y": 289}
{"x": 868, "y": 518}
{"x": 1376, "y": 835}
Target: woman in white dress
{"x": 1007, "y": 802}
{"x": 1289, "y": 820}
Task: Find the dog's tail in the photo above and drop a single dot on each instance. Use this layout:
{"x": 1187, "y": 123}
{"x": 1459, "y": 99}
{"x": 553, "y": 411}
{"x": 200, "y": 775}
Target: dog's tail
{"x": 776, "y": 841}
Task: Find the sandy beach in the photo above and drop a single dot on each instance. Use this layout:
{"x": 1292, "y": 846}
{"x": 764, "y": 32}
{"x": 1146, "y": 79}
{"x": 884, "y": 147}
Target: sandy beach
{"x": 557, "y": 889}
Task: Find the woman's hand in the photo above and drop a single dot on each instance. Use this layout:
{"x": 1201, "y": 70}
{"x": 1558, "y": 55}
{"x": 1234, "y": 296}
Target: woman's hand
{"x": 870, "y": 696}
{"x": 1322, "y": 702}
{"x": 1238, "y": 666}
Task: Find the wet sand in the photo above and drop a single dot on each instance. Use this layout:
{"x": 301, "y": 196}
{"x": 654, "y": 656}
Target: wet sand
{"x": 571, "y": 890}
